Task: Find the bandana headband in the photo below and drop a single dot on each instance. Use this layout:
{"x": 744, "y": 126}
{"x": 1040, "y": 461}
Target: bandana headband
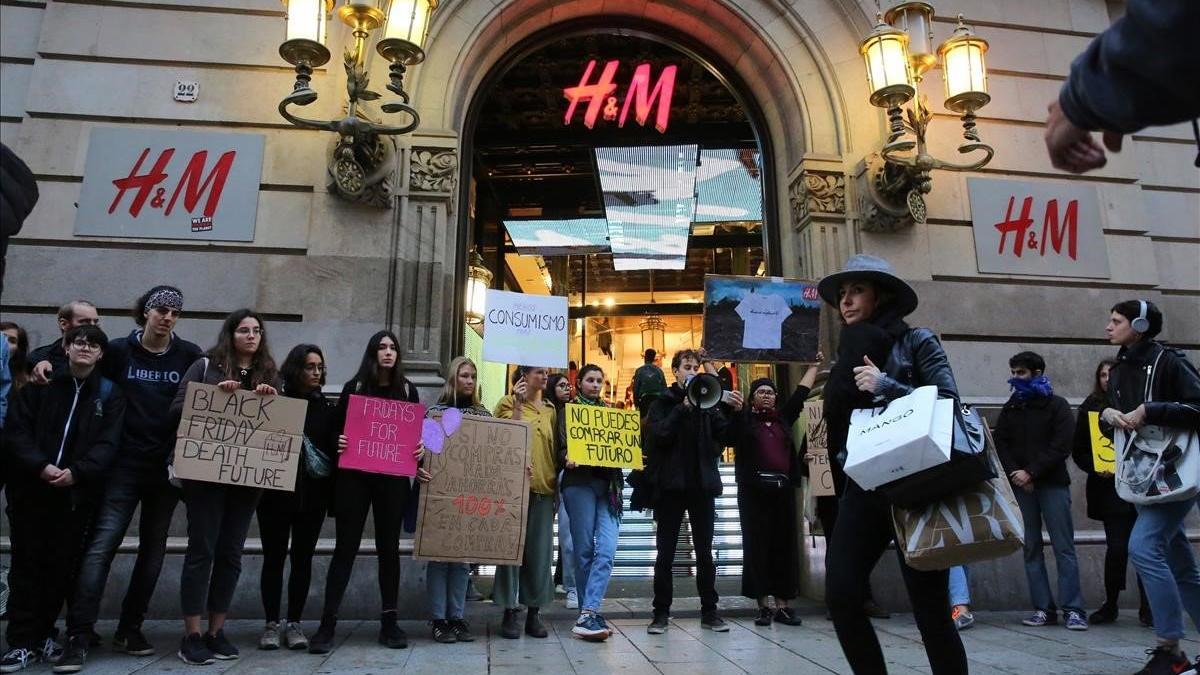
{"x": 165, "y": 297}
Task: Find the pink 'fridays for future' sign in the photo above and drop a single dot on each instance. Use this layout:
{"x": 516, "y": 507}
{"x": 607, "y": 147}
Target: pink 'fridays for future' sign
{"x": 381, "y": 435}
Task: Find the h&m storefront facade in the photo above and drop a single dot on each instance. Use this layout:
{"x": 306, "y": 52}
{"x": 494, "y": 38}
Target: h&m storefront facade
{"x": 779, "y": 82}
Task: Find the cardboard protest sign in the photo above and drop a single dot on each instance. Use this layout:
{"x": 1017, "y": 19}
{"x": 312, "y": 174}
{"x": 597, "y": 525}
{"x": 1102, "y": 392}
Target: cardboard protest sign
{"x": 474, "y": 508}
{"x": 381, "y": 435}
{"x": 820, "y": 476}
{"x": 239, "y": 438}
{"x": 1104, "y": 456}
{"x": 600, "y": 436}
{"x": 528, "y": 330}
{"x": 761, "y": 319}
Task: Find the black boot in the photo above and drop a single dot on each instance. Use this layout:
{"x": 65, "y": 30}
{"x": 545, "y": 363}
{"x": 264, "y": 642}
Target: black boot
{"x": 533, "y": 625}
{"x": 509, "y": 628}
{"x": 322, "y": 641}
{"x": 1107, "y": 613}
{"x": 390, "y": 633}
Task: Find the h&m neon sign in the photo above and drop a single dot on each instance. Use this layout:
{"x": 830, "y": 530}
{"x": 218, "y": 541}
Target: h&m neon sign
{"x": 640, "y": 94}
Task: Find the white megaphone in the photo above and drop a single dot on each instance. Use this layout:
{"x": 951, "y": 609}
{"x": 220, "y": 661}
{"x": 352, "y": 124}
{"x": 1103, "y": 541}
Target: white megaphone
{"x": 704, "y": 391}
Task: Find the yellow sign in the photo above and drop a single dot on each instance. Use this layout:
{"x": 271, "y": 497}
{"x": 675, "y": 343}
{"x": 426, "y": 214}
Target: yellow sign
{"x": 599, "y": 436}
{"x": 1104, "y": 456}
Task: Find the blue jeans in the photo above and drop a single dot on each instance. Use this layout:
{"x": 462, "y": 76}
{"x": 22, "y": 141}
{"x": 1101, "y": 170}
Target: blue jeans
{"x": 1052, "y": 504}
{"x": 594, "y": 530}
{"x": 446, "y": 584}
{"x": 1166, "y": 565}
{"x": 566, "y": 551}
{"x": 960, "y": 589}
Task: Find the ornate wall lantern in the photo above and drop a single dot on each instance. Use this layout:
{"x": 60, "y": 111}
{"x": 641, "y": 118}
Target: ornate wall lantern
{"x": 362, "y": 161}
{"x": 898, "y": 53}
{"x": 479, "y": 280}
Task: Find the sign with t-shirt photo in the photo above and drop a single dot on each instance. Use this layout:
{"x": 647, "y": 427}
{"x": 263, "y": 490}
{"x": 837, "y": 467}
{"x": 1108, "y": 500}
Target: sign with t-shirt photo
{"x": 761, "y": 319}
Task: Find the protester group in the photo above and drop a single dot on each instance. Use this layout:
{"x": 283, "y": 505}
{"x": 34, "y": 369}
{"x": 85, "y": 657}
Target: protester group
{"x": 90, "y": 432}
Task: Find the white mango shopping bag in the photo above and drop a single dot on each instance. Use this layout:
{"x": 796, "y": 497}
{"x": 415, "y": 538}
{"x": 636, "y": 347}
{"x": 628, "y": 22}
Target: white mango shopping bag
{"x": 911, "y": 434}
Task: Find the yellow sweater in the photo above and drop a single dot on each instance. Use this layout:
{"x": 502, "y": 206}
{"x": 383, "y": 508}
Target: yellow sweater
{"x": 542, "y": 418}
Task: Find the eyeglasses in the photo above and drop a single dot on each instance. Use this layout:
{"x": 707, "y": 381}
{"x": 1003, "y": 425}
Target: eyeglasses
{"x": 249, "y": 331}
{"x": 85, "y": 345}
{"x": 312, "y": 368}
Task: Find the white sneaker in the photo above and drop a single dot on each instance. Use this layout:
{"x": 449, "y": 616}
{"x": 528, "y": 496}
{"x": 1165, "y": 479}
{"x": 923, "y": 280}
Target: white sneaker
{"x": 270, "y": 637}
{"x": 293, "y": 635}
{"x": 572, "y": 599}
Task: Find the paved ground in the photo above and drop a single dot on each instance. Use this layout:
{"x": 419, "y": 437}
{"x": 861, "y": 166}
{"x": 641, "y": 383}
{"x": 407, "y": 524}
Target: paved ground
{"x": 998, "y": 644}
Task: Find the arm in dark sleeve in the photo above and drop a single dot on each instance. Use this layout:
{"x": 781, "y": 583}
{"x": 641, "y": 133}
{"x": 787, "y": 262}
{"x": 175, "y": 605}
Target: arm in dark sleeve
{"x": 662, "y": 424}
{"x": 795, "y": 405}
{"x": 96, "y": 461}
{"x": 1181, "y": 391}
{"x": 724, "y": 427}
{"x": 1081, "y": 452}
{"x": 195, "y": 373}
{"x": 931, "y": 367}
{"x": 1000, "y": 435}
{"x": 20, "y": 440}
{"x": 1137, "y": 73}
{"x": 1058, "y": 445}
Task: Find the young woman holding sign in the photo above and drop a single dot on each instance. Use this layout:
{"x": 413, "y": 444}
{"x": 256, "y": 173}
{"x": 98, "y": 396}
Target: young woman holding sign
{"x": 446, "y": 582}
{"x": 297, "y": 515}
{"x": 219, "y": 515}
{"x": 592, "y": 496}
{"x": 379, "y": 375}
{"x": 768, "y": 469}
{"x": 532, "y": 580}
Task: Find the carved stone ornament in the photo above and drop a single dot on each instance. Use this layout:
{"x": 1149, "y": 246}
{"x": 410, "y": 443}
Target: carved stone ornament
{"x": 363, "y": 172}
{"x": 433, "y": 170}
{"x": 887, "y": 201}
{"x": 825, "y": 192}
{"x": 798, "y": 203}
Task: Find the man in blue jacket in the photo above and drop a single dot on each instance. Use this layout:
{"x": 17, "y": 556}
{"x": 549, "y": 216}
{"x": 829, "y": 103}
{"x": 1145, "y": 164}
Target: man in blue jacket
{"x": 59, "y": 441}
{"x": 1141, "y": 72}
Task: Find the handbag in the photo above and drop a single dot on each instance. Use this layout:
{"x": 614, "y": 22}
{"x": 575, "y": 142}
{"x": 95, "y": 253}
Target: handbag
{"x": 976, "y": 525}
{"x": 1157, "y": 464}
{"x": 772, "y": 479}
{"x": 316, "y": 463}
{"x": 967, "y": 468}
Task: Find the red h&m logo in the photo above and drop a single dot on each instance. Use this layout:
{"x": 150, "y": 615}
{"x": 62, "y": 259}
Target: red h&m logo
{"x": 640, "y": 94}
{"x": 1052, "y": 233}
{"x": 192, "y": 184}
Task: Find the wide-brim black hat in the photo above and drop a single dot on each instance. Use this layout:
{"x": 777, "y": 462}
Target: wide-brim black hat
{"x": 876, "y": 270}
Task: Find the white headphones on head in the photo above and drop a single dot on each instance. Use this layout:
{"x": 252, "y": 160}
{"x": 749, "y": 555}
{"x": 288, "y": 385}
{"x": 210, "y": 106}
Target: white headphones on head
{"x": 1141, "y": 324}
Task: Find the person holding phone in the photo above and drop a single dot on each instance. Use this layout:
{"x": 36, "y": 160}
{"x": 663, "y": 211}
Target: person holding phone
{"x": 532, "y": 583}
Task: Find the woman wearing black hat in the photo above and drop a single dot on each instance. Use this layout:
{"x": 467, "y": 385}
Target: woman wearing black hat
{"x": 872, "y": 303}
{"x": 768, "y": 469}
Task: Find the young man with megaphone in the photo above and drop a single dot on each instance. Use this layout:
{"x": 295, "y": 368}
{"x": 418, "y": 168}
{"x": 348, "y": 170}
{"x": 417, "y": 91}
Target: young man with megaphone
{"x": 686, "y": 428}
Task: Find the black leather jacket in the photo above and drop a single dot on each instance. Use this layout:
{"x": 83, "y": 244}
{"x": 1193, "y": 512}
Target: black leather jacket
{"x": 917, "y": 360}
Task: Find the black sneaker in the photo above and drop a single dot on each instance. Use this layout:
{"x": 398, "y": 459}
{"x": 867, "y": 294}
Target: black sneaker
{"x": 1106, "y": 614}
{"x": 509, "y": 628}
{"x": 442, "y": 632}
{"x": 765, "y": 616}
{"x": 659, "y": 624}
{"x": 390, "y": 633}
{"x": 74, "y": 655}
{"x": 132, "y": 642}
{"x": 322, "y": 641}
{"x": 1164, "y": 661}
{"x": 711, "y": 621}
{"x": 194, "y": 652}
{"x": 17, "y": 659}
{"x": 220, "y": 646}
{"x": 788, "y": 617}
{"x": 462, "y": 632}
{"x": 51, "y": 650}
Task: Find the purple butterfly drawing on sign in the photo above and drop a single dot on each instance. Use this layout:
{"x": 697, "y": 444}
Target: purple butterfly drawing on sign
{"x": 434, "y": 432}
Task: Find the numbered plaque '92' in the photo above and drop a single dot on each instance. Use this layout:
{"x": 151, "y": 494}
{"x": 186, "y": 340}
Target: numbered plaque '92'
{"x": 474, "y": 509}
